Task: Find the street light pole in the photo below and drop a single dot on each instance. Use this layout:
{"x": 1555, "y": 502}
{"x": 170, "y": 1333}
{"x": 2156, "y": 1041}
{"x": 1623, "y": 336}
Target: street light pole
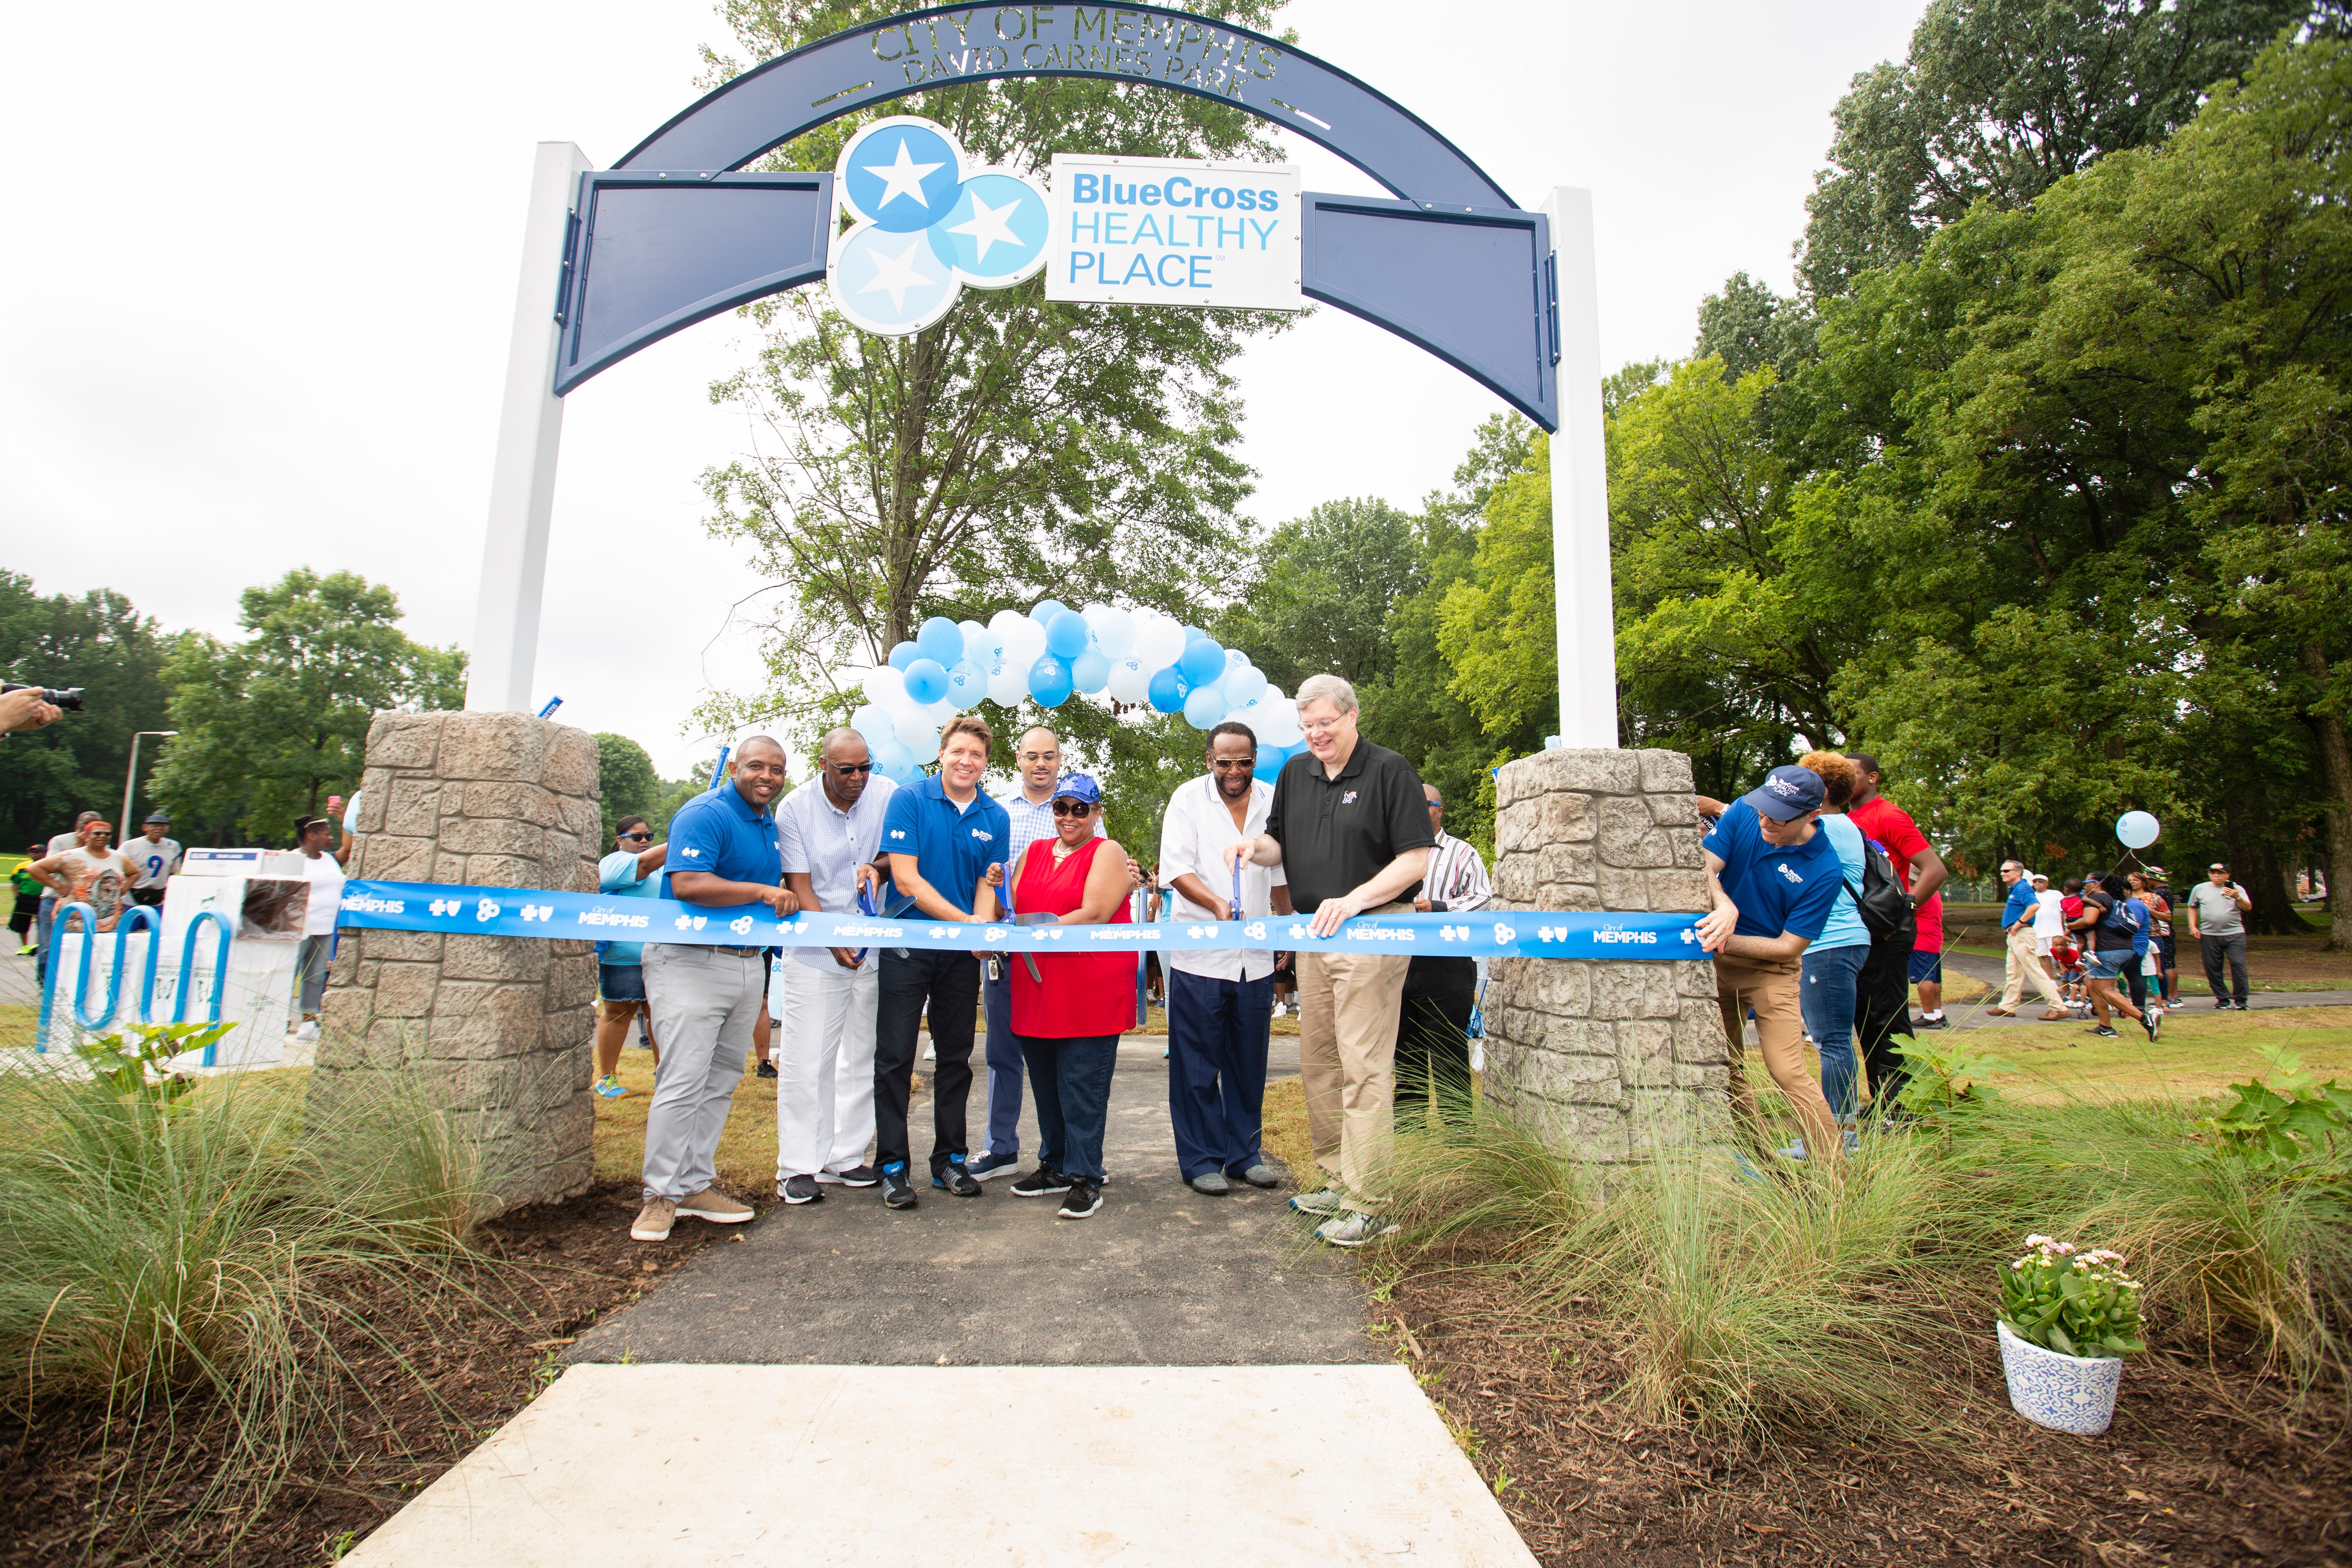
{"x": 129, "y": 776}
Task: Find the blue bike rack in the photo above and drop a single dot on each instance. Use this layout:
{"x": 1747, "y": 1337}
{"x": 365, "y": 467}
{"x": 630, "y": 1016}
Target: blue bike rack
{"x": 138, "y": 918}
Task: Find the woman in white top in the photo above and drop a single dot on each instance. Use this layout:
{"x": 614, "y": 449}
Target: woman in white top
{"x": 322, "y": 867}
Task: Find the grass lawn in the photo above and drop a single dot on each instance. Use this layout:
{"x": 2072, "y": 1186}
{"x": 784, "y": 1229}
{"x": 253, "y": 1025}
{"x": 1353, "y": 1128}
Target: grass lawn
{"x": 2272, "y": 962}
{"x": 747, "y": 1149}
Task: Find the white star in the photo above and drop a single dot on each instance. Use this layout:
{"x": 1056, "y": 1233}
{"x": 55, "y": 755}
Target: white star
{"x": 898, "y": 274}
{"x": 988, "y": 225}
{"x": 902, "y": 178}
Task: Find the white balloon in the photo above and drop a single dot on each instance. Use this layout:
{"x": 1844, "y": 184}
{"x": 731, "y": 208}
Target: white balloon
{"x": 873, "y": 721}
{"x": 1007, "y": 684}
{"x": 1003, "y": 622}
{"x": 917, "y": 732}
{"x": 1024, "y": 643}
{"x": 1115, "y": 636}
{"x": 1129, "y": 681}
{"x": 1235, "y": 658}
{"x": 1158, "y": 644}
{"x": 939, "y": 713}
{"x": 884, "y": 685}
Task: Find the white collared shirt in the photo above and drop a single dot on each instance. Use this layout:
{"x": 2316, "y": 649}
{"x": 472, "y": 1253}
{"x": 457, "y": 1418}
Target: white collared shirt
{"x": 814, "y": 836}
{"x": 1193, "y": 836}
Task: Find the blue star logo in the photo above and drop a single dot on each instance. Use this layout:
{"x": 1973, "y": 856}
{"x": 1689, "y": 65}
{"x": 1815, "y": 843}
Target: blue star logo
{"x": 923, "y": 224}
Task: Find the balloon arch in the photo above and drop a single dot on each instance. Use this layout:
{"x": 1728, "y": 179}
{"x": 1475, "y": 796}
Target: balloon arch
{"x": 1131, "y": 655}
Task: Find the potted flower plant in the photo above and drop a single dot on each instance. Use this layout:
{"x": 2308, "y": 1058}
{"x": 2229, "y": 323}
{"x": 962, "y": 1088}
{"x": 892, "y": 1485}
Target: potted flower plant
{"x": 2067, "y": 1319}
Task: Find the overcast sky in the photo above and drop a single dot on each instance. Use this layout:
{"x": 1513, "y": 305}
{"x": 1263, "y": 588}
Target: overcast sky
{"x": 262, "y": 264}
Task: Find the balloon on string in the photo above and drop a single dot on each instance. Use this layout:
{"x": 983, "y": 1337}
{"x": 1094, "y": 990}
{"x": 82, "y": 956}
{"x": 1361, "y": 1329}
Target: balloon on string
{"x": 1280, "y": 718}
{"x": 1007, "y": 684}
{"x": 1193, "y": 634}
{"x": 941, "y": 641}
{"x": 1090, "y": 671}
{"x": 1049, "y": 682}
{"x": 1246, "y": 686}
{"x": 2136, "y": 829}
{"x": 884, "y": 686}
{"x": 903, "y": 655}
{"x": 1046, "y": 610}
{"x": 966, "y": 683}
{"x": 978, "y": 641}
{"x": 886, "y": 751}
{"x": 926, "y": 681}
{"x": 1235, "y": 660}
{"x": 1158, "y": 641}
{"x": 915, "y": 732}
{"x": 1066, "y": 635}
{"x": 1202, "y": 662}
{"x": 1204, "y": 707}
{"x": 1115, "y": 634}
{"x": 1168, "y": 690}
{"x": 1025, "y": 642}
{"x": 873, "y": 721}
{"x": 1129, "y": 681}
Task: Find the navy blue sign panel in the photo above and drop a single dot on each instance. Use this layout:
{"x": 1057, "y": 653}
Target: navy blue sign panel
{"x": 795, "y": 93}
{"x": 1473, "y": 288}
{"x": 650, "y": 254}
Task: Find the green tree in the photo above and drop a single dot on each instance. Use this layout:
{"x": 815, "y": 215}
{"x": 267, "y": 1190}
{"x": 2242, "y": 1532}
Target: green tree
{"x": 1317, "y": 597}
{"x": 100, "y": 643}
{"x": 270, "y": 726}
{"x": 1497, "y": 625}
{"x": 626, "y": 779}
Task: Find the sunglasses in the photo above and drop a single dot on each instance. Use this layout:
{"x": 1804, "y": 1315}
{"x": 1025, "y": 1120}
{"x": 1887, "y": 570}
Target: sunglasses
{"x": 1072, "y": 808}
{"x": 639, "y": 837}
{"x": 845, "y": 769}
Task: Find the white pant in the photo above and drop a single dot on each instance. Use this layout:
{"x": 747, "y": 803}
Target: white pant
{"x": 824, "y": 1051}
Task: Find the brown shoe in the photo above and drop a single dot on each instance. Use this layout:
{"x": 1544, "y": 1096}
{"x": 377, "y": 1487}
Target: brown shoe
{"x": 2001, "y": 1012}
{"x": 654, "y": 1220}
{"x": 2055, "y": 1016}
{"x": 710, "y": 1204}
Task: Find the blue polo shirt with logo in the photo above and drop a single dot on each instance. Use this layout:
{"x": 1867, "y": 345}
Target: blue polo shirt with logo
{"x": 1777, "y": 890}
{"x": 953, "y": 846}
{"x": 721, "y": 832}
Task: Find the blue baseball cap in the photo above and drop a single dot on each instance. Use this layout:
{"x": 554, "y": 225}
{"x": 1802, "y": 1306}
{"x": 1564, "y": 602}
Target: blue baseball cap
{"x": 1078, "y": 786}
{"x": 1787, "y": 793}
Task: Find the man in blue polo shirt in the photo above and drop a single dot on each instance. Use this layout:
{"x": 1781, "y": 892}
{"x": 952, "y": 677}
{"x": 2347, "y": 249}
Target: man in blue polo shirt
{"x": 945, "y": 844}
{"x": 1775, "y": 878}
{"x": 722, "y": 856}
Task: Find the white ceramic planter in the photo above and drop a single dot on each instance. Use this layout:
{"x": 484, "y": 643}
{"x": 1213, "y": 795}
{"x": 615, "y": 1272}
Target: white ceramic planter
{"x": 2066, "y": 1393}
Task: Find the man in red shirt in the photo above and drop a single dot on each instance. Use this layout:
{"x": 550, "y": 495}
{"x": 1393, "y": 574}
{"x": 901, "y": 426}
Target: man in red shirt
{"x": 1920, "y": 870}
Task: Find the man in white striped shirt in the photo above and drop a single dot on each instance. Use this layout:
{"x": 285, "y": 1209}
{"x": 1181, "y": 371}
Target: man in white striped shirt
{"x": 1434, "y": 1021}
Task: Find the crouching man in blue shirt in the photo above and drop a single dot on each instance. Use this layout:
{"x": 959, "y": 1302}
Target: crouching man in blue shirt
{"x": 723, "y": 855}
{"x": 944, "y": 841}
{"x": 1775, "y": 878}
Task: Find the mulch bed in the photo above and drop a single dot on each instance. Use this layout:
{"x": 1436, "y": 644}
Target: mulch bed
{"x": 2199, "y": 1468}
{"x": 66, "y": 1496}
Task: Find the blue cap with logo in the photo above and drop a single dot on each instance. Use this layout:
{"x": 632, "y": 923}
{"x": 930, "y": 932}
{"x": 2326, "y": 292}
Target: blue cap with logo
{"x": 1078, "y": 786}
{"x": 1786, "y": 793}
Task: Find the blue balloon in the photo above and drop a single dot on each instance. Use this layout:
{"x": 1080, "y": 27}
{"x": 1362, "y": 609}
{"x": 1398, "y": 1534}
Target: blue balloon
{"x": 1046, "y": 610}
{"x": 1244, "y": 685}
{"x": 2135, "y": 829}
{"x": 1193, "y": 633}
{"x": 1090, "y": 671}
{"x": 966, "y": 683}
{"x": 940, "y": 640}
{"x": 926, "y": 681}
{"x": 1049, "y": 681}
{"x": 905, "y": 654}
{"x": 1066, "y": 635}
{"x": 1204, "y": 707}
{"x": 1168, "y": 690}
{"x": 1270, "y": 758}
{"x": 1201, "y": 661}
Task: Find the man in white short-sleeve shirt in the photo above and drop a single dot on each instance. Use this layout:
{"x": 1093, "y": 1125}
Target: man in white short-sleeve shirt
{"x": 1220, "y": 1000}
{"x": 322, "y": 867}
{"x": 828, "y": 831}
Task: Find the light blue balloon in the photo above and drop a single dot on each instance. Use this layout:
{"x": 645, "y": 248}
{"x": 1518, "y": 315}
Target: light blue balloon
{"x": 2136, "y": 829}
{"x": 889, "y": 755}
{"x": 1066, "y": 635}
{"x": 926, "y": 681}
{"x": 1090, "y": 671}
{"x": 1046, "y": 610}
{"x": 1168, "y": 690}
{"x": 1193, "y": 634}
{"x": 1204, "y": 707}
{"x": 905, "y": 654}
{"x": 1244, "y": 685}
{"x": 1201, "y": 661}
{"x": 1269, "y": 761}
{"x": 873, "y": 721}
{"x": 940, "y": 640}
{"x": 1049, "y": 681}
{"x": 966, "y": 683}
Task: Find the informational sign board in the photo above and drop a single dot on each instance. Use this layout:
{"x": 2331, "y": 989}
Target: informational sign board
{"x": 1173, "y": 231}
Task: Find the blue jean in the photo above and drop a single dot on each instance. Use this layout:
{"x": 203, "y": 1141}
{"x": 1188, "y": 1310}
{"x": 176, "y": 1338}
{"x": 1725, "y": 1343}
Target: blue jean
{"x": 1216, "y": 1071}
{"x": 1070, "y": 1080}
{"x": 1826, "y": 1000}
{"x": 1005, "y": 1059}
{"x": 44, "y": 918}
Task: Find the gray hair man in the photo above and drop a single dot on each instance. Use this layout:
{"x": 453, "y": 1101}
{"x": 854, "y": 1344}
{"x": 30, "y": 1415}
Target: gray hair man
{"x": 1350, "y": 826}
{"x": 2017, "y": 918}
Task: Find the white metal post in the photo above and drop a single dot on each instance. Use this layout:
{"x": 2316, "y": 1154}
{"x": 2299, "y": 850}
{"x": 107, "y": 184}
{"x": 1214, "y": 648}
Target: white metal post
{"x": 1583, "y": 602}
{"x": 530, "y": 428}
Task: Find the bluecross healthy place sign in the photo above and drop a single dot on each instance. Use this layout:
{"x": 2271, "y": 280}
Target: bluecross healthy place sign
{"x": 1172, "y": 231}
{"x": 1174, "y": 51}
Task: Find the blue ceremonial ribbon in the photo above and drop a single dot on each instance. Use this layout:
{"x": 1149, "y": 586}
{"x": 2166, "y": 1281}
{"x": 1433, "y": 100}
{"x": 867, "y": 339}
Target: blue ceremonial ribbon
{"x": 587, "y": 917}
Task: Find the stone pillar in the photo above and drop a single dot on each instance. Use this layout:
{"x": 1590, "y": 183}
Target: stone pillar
{"x": 1612, "y": 1057}
{"x": 503, "y": 1028}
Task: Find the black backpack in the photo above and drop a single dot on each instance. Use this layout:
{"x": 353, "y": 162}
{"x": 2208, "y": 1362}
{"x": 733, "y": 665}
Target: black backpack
{"x": 1885, "y": 909}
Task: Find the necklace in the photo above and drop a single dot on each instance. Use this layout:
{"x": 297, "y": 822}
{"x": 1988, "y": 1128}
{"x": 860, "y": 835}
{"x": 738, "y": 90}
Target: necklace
{"x": 1063, "y": 851}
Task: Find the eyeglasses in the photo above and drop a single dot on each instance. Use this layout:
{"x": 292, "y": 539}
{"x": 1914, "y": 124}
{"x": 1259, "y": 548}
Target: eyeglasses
{"x": 1072, "y": 808}
{"x": 1041, "y": 756}
{"x": 1228, "y": 764}
{"x": 845, "y": 769}
{"x": 1317, "y": 726}
{"x": 638, "y": 838}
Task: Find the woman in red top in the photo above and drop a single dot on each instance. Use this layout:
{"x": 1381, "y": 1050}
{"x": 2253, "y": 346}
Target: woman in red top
{"x": 1069, "y": 1019}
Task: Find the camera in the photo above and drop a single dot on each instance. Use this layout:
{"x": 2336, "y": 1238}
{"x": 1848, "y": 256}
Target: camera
{"x": 65, "y": 696}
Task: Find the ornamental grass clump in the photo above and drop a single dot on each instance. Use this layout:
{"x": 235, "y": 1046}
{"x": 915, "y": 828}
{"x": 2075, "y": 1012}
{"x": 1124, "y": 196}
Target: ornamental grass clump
{"x": 2074, "y": 1302}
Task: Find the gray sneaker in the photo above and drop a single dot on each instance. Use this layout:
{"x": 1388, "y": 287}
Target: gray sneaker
{"x": 800, "y": 1190}
{"x": 1262, "y": 1176}
{"x": 1327, "y": 1201}
{"x": 654, "y": 1220}
{"x": 1354, "y": 1230}
{"x": 1210, "y": 1184}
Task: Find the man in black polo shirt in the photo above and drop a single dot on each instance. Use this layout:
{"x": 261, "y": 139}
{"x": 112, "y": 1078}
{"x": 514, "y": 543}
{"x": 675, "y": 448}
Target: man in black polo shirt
{"x": 1350, "y": 827}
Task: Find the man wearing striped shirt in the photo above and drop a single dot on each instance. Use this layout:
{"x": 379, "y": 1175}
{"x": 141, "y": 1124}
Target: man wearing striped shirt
{"x": 1433, "y": 1023}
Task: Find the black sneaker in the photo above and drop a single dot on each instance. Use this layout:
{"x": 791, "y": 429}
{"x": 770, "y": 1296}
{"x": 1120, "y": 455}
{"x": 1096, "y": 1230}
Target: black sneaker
{"x": 1938, "y": 1022}
{"x": 855, "y": 1176}
{"x": 1085, "y": 1197}
{"x": 767, "y": 1070}
{"x": 956, "y": 1179}
{"x": 2154, "y": 1023}
{"x": 2220, "y": 1005}
{"x": 2104, "y": 1031}
{"x": 1045, "y": 1182}
{"x": 800, "y": 1190}
{"x": 898, "y": 1193}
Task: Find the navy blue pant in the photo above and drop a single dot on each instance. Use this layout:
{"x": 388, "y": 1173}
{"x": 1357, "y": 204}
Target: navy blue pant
{"x": 1216, "y": 1070}
{"x": 1070, "y": 1080}
{"x": 944, "y": 984}
{"x": 1004, "y": 1060}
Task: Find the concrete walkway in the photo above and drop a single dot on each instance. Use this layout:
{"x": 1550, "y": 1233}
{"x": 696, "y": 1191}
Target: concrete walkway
{"x": 2194, "y": 996}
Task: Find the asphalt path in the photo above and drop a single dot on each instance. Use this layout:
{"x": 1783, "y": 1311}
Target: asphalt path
{"x": 2194, "y": 996}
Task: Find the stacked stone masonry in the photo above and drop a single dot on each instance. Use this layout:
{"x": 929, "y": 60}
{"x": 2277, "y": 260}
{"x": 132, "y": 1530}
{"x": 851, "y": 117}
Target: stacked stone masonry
{"x": 1614, "y": 1059}
{"x": 503, "y": 1028}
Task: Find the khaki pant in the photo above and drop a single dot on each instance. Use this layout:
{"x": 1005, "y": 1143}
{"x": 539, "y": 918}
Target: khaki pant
{"x": 1348, "y": 1008}
{"x": 1773, "y": 989}
{"x": 2023, "y": 963}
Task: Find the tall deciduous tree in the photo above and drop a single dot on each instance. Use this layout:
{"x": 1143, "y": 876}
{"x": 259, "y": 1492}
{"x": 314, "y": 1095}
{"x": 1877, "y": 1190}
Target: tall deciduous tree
{"x": 270, "y": 726}
{"x": 100, "y": 643}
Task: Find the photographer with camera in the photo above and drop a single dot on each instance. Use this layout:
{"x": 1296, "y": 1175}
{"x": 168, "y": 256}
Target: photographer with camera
{"x": 31, "y": 707}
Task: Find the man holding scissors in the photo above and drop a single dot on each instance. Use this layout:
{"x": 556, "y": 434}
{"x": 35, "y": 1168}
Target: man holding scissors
{"x": 827, "y": 833}
{"x": 1220, "y": 1001}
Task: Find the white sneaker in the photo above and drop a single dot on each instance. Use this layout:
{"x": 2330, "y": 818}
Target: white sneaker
{"x": 307, "y": 1033}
